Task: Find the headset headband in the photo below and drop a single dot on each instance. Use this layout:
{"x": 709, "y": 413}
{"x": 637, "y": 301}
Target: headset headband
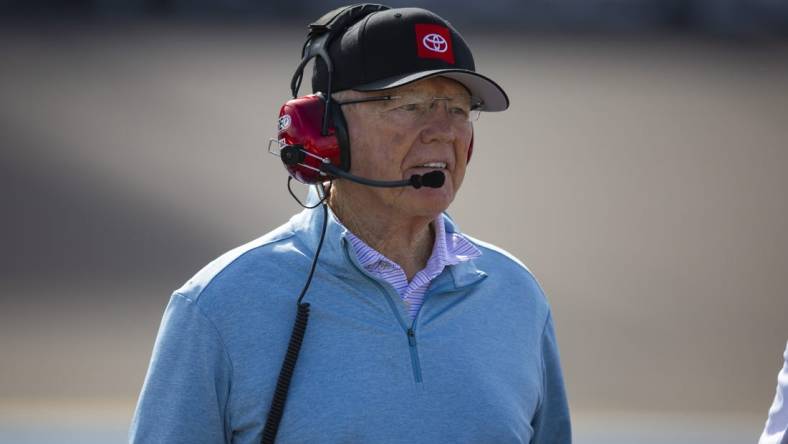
{"x": 321, "y": 33}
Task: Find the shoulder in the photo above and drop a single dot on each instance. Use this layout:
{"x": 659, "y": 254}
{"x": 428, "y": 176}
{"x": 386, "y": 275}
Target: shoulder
{"x": 490, "y": 253}
{"x": 510, "y": 274}
{"x": 499, "y": 255}
{"x": 494, "y": 260}
{"x": 239, "y": 268}
{"x": 500, "y": 259}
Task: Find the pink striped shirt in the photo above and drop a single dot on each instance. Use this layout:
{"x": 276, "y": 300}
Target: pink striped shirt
{"x": 447, "y": 250}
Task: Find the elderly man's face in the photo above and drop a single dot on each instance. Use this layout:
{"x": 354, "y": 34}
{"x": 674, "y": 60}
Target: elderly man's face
{"x": 387, "y": 144}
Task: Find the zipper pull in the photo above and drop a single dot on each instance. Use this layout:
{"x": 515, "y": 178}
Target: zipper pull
{"x": 411, "y": 337}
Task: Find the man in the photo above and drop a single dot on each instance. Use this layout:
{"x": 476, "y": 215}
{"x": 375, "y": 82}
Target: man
{"x": 418, "y": 333}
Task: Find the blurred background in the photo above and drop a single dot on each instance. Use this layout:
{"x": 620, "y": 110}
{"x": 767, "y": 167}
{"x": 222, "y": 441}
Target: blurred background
{"x": 641, "y": 174}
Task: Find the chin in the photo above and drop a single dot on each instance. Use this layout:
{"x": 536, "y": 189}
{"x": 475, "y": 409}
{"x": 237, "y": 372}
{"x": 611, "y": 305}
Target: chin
{"x": 431, "y": 202}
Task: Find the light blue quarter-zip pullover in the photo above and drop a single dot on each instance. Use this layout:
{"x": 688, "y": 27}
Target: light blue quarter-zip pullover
{"x": 478, "y": 364}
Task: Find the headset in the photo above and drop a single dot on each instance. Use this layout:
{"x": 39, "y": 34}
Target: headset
{"x": 312, "y": 128}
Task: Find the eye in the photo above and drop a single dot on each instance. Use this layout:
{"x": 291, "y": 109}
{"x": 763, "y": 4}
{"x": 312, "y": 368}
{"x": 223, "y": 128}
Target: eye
{"x": 411, "y": 106}
{"x": 459, "y": 111}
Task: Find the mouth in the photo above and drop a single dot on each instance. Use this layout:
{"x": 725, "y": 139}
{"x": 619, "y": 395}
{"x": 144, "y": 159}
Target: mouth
{"x": 437, "y": 165}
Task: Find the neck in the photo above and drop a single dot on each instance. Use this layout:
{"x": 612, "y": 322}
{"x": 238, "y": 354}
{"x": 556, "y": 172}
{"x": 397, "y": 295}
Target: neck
{"x": 406, "y": 241}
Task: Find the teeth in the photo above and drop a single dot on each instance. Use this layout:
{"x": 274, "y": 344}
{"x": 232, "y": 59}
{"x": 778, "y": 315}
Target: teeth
{"x": 434, "y": 165}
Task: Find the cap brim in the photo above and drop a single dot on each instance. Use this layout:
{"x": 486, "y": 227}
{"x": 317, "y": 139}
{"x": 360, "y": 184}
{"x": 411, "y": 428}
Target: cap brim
{"x": 492, "y": 95}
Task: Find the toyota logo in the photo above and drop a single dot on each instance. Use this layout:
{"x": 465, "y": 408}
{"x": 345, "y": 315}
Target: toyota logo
{"x": 435, "y": 43}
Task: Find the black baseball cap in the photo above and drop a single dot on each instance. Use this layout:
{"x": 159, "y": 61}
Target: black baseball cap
{"x": 395, "y": 47}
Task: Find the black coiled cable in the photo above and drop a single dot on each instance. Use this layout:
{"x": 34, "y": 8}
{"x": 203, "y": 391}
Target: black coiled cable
{"x": 286, "y": 374}
{"x": 293, "y": 348}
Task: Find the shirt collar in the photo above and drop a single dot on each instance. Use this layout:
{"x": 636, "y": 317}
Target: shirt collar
{"x": 449, "y": 248}
{"x": 337, "y": 248}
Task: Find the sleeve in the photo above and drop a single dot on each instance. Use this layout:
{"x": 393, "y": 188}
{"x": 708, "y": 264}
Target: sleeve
{"x": 185, "y": 393}
{"x": 551, "y": 422}
{"x": 777, "y": 423}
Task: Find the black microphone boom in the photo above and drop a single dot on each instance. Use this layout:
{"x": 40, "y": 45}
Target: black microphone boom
{"x": 433, "y": 179}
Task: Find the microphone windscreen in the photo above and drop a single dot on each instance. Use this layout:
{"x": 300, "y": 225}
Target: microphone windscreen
{"x": 433, "y": 179}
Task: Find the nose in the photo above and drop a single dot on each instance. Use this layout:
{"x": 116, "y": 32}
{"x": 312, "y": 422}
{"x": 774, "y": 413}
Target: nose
{"x": 439, "y": 124}
{"x": 440, "y": 106}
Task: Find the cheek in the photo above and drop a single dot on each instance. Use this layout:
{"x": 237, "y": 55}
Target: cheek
{"x": 361, "y": 145}
{"x": 374, "y": 149}
{"x": 388, "y": 148}
{"x": 462, "y": 150}
{"x": 459, "y": 175}
{"x": 397, "y": 138}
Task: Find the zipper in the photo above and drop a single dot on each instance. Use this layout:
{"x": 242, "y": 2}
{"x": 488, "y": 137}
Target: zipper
{"x": 410, "y": 331}
{"x": 414, "y": 355}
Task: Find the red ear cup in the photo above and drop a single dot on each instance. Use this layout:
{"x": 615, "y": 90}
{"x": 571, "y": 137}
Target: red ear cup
{"x": 300, "y": 123}
{"x": 470, "y": 150}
